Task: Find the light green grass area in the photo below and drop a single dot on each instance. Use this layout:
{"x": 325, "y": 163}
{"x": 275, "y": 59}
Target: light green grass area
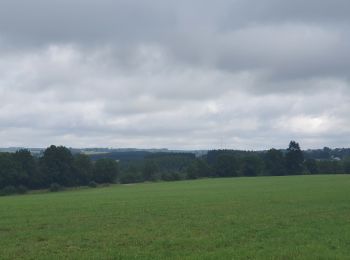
{"x": 297, "y": 217}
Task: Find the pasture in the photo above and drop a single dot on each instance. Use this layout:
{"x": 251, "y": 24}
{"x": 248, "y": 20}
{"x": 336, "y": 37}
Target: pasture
{"x": 294, "y": 217}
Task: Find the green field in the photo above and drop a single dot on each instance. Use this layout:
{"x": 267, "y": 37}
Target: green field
{"x": 298, "y": 217}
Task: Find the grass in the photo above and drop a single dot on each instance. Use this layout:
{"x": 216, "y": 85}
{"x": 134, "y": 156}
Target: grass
{"x": 298, "y": 217}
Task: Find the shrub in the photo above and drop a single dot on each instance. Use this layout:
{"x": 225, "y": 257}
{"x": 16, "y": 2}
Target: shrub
{"x": 130, "y": 177}
{"x": 166, "y": 176}
{"x": 54, "y": 187}
{"x": 8, "y": 190}
{"x": 92, "y": 184}
{"x": 21, "y": 189}
{"x": 172, "y": 176}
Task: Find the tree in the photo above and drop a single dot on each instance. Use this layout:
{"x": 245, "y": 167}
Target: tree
{"x": 226, "y": 165}
{"x": 294, "y": 159}
{"x": 11, "y": 172}
{"x": 57, "y": 166}
{"x": 326, "y": 153}
{"x": 204, "y": 169}
{"x": 274, "y": 163}
{"x": 83, "y": 169}
{"x": 198, "y": 168}
{"x": 252, "y": 166}
{"x": 346, "y": 165}
{"x": 311, "y": 166}
{"x": 150, "y": 170}
{"x": 192, "y": 171}
{"x": 105, "y": 171}
{"x": 24, "y": 158}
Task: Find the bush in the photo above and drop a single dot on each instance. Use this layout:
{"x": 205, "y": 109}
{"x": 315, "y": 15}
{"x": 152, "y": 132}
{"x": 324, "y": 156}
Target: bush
{"x": 92, "y": 184}
{"x": 54, "y": 187}
{"x": 166, "y": 176}
{"x": 8, "y": 190}
{"x": 21, "y": 189}
{"x": 105, "y": 170}
{"x": 130, "y": 177}
{"x": 172, "y": 176}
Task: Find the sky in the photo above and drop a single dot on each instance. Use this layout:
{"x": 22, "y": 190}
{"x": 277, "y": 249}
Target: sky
{"x": 234, "y": 74}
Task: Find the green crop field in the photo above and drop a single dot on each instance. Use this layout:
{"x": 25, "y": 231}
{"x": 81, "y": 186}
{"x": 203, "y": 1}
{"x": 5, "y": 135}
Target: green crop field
{"x": 298, "y": 217}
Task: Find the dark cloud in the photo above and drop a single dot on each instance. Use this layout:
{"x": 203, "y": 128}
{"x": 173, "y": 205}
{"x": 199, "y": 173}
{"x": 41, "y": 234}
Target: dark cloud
{"x": 174, "y": 74}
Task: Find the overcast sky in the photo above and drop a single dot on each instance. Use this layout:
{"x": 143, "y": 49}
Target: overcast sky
{"x": 241, "y": 74}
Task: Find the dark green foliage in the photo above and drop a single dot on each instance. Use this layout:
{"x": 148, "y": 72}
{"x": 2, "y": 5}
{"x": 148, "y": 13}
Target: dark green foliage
{"x": 193, "y": 171}
{"x": 131, "y": 172}
{"x": 105, "y": 171}
{"x": 55, "y": 187}
{"x": 274, "y": 163}
{"x": 8, "y": 190}
{"x": 11, "y": 190}
{"x": 171, "y": 161}
{"x": 57, "y": 166}
{"x": 121, "y": 156}
{"x": 198, "y": 169}
{"x": 21, "y": 189}
{"x": 294, "y": 159}
{"x": 346, "y": 165}
{"x": 150, "y": 170}
{"x": 83, "y": 169}
{"x": 311, "y": 166}
{"x": 252, "y": 166}
{"x": 226, "y": 165}
{"x": 92, "y": 184}
{"x": 182, "y": 156}
{"x": 327, "y": 153}
{"x": 11, "y": 172}
{"x": 325, "y": 166}
{"x": 29, "y": 167}
{"x": 212, "y": 155}
{"x": 130, "y": 177}
{"x": 172, "y": 176}
{"x": 330, "y": 167}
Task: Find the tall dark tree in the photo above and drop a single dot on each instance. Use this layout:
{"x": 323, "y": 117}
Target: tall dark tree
{"x": 198, "y": 168}
{"x": 294, "y": 159}
{"x": 34, "y": 178}
{"x": 252, "y": 166}
{"x": 346, "y": 165}
{"x": 274, "y": 163}
{"x": 204, "y": 170}
{"x": 105, "y": 171}
{"x": 193, "y": 171}
{"x": 83, "y": 169}
{"x": 311, "y": 166}
{"x": 57, "y": 166}
{"x": 150, "y": 170}
{"x": 326, "y": 153}
{"x": 226, "y": 165}
{"x": 11, "y": 172}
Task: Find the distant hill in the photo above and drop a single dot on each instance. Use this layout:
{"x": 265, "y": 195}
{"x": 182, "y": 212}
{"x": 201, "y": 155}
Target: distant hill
{"x": 136, "y": 154}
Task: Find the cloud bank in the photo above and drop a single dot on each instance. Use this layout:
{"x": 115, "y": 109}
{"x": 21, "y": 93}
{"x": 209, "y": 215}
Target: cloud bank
{"x": 188, "y": 75}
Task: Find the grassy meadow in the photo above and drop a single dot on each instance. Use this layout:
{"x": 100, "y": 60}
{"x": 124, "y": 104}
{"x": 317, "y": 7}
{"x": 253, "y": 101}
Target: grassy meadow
{"x": 296, "y": 217}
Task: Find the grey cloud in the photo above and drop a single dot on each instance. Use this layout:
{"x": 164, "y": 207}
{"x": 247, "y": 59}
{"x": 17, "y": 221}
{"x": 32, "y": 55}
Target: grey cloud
{"x": 247, "y": 12}
{"x": 174, "y": 74}
{"x": 42, "y": 22}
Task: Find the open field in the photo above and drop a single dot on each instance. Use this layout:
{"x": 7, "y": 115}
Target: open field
{"x": 297, "y": 217}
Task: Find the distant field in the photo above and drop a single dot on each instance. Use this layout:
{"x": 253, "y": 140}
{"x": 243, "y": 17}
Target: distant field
{"x": 297, "y": 217}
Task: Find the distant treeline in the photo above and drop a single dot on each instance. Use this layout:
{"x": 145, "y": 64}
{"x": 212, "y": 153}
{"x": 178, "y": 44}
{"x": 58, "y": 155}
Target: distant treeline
{"x": 327, "y": 153}
{"x": 58, "y": 167}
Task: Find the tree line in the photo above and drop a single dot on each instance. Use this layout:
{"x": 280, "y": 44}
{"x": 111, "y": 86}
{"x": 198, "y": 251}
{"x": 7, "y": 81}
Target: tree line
{"x": 58, "y": 167}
